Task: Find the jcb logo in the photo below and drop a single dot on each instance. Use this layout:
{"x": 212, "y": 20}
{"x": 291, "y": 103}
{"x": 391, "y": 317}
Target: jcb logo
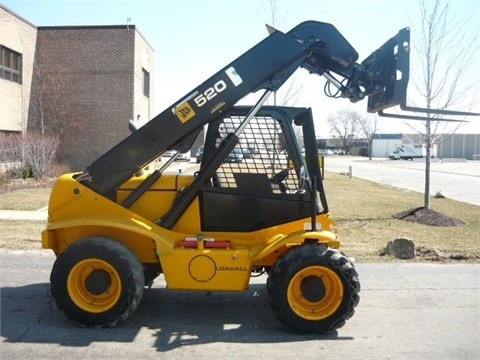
{"x": 184, "y": 112}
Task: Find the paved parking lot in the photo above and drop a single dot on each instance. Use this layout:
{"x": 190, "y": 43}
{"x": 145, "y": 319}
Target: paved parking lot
{"x": 406, "y": 311}
{"x": 458, "y": 180}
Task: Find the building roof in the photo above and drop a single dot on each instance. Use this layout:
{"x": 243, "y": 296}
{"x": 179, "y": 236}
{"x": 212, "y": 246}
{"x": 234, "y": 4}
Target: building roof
{"x": 85, "y": 27}
{"x": 96, "y": 27}
{"x": 13, "y": 13}
{"x": 387, "y": 136}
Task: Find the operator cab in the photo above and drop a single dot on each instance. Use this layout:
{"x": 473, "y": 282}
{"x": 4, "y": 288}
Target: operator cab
{"x": 272, "y": 183}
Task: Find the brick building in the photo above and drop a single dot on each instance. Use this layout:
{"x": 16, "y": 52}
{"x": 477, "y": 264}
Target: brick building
{"x": 85, "y": 84}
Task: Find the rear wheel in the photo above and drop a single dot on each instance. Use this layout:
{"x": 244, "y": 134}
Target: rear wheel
{"x": 97, "y": 281}
{"x": 313, "y": 289}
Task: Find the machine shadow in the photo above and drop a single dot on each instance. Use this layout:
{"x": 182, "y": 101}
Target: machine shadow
{"x": 175, "y": 319}
{"x": 187, "y": 318}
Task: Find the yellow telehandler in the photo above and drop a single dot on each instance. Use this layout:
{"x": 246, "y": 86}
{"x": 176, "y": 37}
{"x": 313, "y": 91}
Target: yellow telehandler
{"x": 254, "y": 204}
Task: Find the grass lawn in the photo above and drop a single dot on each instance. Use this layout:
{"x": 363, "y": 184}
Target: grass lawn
{"x": 364, "y": 213}
{"x": 25, "y": 199}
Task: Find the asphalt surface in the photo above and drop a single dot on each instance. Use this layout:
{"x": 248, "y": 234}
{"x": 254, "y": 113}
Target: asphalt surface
{"x": 406, "y": 311}
{"x": 454, "y": 178}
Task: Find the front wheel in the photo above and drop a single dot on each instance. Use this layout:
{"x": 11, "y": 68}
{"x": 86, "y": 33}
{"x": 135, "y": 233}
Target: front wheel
{"x": 97, "y": 281}
{"x": 313, "y": 289}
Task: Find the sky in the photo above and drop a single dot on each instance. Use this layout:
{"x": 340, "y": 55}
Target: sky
{"x": 193, "y": 39}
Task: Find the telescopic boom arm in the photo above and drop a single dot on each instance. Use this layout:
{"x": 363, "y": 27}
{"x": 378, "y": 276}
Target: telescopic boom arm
{"x": 317, "y": 47}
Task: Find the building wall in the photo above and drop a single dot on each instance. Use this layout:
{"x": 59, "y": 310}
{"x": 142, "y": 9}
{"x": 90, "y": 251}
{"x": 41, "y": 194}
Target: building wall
{"x": 461, "y": 146}
{"x": 144, "y": 61}
{"x": 383, "y": 147}
{"x": 18, "y": 35}
{"x": 90, "y": 76}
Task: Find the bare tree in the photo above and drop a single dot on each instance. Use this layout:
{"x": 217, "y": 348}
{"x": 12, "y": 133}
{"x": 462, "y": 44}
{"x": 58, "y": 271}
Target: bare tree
{"x": 272, "y": 10}
{"x": 11, "y": 157}
{"x": 448, "y": 53}
{"x": 369, "y": 127}
{"x": 39, "y": 153}
{"x": 344, "y": 124}
{"x": 28, "y": 155}
{"x": 50, "y": 113}
{"x": 290, "y": 91}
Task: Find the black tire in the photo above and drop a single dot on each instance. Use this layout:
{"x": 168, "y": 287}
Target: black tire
{"x": 313, "y": 289}
{"x": 97, "y": 281}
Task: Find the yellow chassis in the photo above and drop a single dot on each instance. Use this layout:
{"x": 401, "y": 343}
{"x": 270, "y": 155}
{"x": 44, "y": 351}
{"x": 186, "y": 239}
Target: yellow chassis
{"x": 189, "y": 258}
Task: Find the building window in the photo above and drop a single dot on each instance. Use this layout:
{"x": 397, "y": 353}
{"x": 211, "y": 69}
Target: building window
{"x": 10, "y": 65}
{"x": 146, "y": 82}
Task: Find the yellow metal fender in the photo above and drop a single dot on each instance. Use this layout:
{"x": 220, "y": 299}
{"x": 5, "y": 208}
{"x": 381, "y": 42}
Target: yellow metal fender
{"x": 75, "y": 212}
{"x": 60, "y": 234}
{"x": 277, "y": 245}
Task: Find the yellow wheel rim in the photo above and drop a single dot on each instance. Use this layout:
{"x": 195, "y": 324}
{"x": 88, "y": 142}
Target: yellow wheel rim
{"x": 315, "y": 292}
{"x": 94, "y": 285}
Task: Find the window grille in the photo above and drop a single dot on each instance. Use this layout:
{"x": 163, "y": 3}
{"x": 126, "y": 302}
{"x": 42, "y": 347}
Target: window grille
{"x": 261, "y": 150}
